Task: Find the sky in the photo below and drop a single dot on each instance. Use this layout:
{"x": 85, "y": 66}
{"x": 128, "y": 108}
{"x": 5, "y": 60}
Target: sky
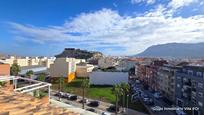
{"x": 113, "y": 27}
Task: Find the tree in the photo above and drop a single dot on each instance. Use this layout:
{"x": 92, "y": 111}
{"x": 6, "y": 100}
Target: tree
{"x": 124, "y": 90}
{"x": 85, "y": 84}
{"x": 117, "y": 93}
{"x": 15, "y": 69}
{"x": 61, "y": 84}
{"x": 38, "y": 93}
{"x": 41, "y": 77}
{"x": 29, "y": 73}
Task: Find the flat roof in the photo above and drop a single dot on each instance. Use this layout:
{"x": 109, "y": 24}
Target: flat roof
{"x": 17, "y": 103}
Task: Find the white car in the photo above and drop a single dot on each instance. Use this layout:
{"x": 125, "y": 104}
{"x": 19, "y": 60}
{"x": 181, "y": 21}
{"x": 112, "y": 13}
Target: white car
{"x": 105, "y": 113}
{"x": 157, "y": 95}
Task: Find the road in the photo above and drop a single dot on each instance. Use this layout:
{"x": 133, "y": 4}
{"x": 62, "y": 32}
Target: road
{"x": 101, "y": 108}
{"x": 157, "y": 102}
{"x": 160, "y": 103}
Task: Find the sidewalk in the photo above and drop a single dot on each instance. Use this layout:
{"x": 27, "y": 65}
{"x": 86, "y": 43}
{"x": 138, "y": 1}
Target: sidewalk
{"x": 71, "y": 108}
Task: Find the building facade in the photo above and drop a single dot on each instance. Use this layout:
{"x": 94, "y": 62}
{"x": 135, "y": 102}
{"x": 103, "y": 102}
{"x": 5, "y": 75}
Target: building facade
{"x": 106, "y": 62}
{"x": 190, "y": 88}
{"x": 4, "y": 69}
{"x": 83, "y": 70}
{"x": 166, "y": 81}
{"x": 28, "y": 61}
{"x": 65, "y": 67}
{"x": 107, "y": 78}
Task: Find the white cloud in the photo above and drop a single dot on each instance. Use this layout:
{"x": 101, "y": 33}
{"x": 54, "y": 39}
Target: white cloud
{"x": 107, "y": 29}
{"x": 144, "y": 1}
{"x": 175, "y": 4}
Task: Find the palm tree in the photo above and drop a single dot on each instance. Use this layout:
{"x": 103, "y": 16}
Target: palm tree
{"x": 61, "y": 84}
{"x": 41, "y": 77}
{"x": 125, "y": 90}
{"x": 117, "y": 92}
{"x": 85, "y": 84}
{"x": 29, "y": 73}
{"x": 15, "y": 68}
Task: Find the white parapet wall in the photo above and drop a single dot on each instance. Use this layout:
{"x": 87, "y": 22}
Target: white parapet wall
{"x": 108, "y": 78}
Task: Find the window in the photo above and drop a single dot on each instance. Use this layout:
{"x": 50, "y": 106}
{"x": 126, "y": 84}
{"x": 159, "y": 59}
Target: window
{"x": 178, "y": 77}
{"x": 200, "y": 94}
{"x": 194, "y": 101}
{"x": 199, "y": 74}
{"x": 178, "y": 85}
{"x": 200, "y": 85}
{"x": 190, "y": 72}
{"x": 200, "y": 104}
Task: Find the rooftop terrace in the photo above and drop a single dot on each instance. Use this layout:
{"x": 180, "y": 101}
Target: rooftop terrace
{"x": 14, "y": 103}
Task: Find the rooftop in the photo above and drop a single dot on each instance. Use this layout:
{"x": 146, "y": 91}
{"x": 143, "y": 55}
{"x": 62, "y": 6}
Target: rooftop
{"x": 17, "y": 103}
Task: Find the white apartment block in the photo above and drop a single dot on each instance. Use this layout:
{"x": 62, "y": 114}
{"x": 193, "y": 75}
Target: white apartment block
{"x": 106, "y": 62}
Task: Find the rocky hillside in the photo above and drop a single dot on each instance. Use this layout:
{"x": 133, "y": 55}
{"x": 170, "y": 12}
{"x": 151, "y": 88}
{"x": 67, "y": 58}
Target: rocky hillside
{"x": 79, "y": 54}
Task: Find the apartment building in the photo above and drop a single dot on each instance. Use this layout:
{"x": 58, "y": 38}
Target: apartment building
{"x": 28, "y": 61}
{"x": 147, "y": 73}
{"x": 9, "y": 60}
{"x": 4, "y": 69}
{"x": 166, "y": 81}
{"x": 83, "y": 70}
{"x": 65, "y": 67}
{"x": 44, "y": 61}
{"x": 190, "y": 88}
{"x": 33, "y": 61}
{"x": 125, "y": 64}
{"x": 106, "y": 62}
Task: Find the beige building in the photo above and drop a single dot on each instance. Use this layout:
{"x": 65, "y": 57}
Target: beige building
{"x": 9, "y": 60}
{"x": 65, "y": 67}
{"x": 34, "y": 61}
{"x": 83, "y": 69}
{"x": 26, "y": 61}
{"x": 22, "y": 61}
{"x": 46, "y": 61}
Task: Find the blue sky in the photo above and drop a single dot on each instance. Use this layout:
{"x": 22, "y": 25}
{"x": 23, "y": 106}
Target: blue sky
{"x": 114, "y": 27}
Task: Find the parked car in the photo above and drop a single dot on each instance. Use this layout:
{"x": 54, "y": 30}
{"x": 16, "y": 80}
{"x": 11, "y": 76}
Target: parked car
{"x": 105, "y": 113}
{"x": 135, "y": 97}
{"x": 73, "y": 98}
{"x": 157, "y": 95}
{"x": 148, "y": 101}
{"x": 94, "y": 103}
{"x": 91, "y": 109}
{"x": 65, "y": 95}
{"x": 180, "y": 112}
{"x": 83, "y": 101}
{"x": 59, "y": 94}
{"x": 112, "y": 108}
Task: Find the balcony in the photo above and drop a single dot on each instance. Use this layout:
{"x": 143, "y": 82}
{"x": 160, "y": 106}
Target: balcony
{"x": 193, "y": 89}
{"x": 187, "y": 83}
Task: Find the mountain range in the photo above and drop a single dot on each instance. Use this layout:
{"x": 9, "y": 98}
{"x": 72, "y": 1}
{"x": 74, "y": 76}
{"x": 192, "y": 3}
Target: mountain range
{"x": 174, "y": 50}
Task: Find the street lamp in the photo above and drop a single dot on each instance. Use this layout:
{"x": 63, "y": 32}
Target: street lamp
{"x": 127, "y": 104}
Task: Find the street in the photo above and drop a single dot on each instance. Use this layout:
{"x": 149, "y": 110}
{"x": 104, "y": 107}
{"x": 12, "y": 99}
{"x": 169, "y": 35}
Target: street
{"x": 101, "y": 108}
{"x": 157, "y": 102}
